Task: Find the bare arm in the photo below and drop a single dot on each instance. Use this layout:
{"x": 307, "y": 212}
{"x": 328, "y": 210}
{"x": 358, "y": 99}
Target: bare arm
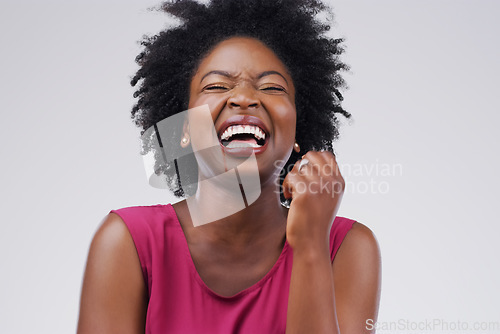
{"x": 114, "y": 298}
{"x": 325, "y": 297}
{"x": 357, "y": 279}
{"x": 338, "y": 297}
{"x": 311, "y": 303}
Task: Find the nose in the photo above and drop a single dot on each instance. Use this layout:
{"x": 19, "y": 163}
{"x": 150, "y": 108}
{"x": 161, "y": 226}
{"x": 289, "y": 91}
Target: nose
{"x": 243, "y": 97}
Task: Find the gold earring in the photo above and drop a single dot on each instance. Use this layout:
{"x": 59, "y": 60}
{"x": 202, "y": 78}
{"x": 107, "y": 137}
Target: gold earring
{"x": 296, "y": 147}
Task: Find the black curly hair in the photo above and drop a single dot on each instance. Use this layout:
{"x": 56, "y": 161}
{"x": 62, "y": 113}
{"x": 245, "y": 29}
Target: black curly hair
{"x": 288, "y": 27}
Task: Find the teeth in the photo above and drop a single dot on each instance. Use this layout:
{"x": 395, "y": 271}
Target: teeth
{"x": 260, "y": 134}
{"x": 249, "y": 129}
{"x": 237, "y": 144}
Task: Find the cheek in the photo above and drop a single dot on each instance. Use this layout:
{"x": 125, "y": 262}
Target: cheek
{"x": 215, "y": 103}
{"x": 285, "y": 117}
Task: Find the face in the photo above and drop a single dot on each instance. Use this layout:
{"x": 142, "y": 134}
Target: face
{"x": 251, "y": 98}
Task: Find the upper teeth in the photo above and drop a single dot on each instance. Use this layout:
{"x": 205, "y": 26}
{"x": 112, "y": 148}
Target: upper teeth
{"x": 249, "y": 129}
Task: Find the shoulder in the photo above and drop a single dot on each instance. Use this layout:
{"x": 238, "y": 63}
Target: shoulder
{"x": 140, "y": 212}
{"x": 362, "y": 236}
{"x": 359, "y": 256}
{"x": 339, "y": 229}
{"x": 111, "y": 234}
{"x": 112, "y": 248}
{"x": 113, "y": 282}
{"x": 357, "y": 279}
{"x": 146, "y": 223}
{"x": 360, "y": 242}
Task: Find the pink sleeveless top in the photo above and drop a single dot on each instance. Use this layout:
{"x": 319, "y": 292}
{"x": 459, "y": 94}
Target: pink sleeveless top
{"x": 181, "y": 303}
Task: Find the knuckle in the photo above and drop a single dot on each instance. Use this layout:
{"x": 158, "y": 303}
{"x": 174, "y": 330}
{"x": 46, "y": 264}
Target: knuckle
{"x": 341, "y": 183}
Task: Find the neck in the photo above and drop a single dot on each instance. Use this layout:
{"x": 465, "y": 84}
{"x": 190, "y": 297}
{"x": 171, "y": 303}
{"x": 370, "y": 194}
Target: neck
{"x": 224, "y": 217}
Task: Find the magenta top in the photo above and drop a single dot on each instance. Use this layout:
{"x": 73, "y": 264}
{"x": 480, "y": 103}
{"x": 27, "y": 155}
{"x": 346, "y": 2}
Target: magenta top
{"x": 181, "y": 303}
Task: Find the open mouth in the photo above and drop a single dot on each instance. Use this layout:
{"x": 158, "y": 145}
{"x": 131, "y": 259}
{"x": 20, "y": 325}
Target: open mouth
{"x": 236, "y": 136}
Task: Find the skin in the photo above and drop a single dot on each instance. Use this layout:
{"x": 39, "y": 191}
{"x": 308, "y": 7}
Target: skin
{"x": 236, "y": 252}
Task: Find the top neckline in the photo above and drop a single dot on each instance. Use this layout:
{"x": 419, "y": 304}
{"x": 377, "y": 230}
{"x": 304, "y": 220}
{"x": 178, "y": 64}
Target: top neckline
{"x": 200, "y": 281}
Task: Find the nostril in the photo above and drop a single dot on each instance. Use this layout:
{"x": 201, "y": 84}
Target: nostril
{"x": 252, "y": 105}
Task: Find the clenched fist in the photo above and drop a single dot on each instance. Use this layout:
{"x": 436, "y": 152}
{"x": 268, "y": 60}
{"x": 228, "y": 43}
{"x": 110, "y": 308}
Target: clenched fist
{"x": 316, "y": 187}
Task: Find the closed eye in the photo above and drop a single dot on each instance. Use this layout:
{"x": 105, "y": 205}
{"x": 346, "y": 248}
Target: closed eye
{"x": 214, "y": 87}
{"x": 274, "y": 88}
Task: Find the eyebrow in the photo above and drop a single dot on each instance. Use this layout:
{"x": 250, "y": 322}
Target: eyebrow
{"x": 229, "y": 75}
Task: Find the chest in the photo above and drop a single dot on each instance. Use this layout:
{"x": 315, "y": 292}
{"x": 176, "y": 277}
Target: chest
{"x": 228, "y": 274}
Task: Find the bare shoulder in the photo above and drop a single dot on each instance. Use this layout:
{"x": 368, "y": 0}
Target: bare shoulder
{"x": 114, "y": 298}
{"x": 112, "y": 235}
{"x": 112, "y": 247}
{"x": 359, "y": 250}
{"x": 360, "y": 239}
{"x": 357, "y": 279}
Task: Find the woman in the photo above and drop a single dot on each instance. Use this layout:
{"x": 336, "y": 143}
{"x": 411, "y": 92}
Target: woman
{"x": 269, "y": 267}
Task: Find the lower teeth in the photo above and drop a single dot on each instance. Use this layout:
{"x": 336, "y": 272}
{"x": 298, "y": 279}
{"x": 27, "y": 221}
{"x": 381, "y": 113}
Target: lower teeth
{"x": 238, "y": 145}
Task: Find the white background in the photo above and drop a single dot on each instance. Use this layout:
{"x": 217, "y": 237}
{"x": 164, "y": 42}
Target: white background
{"x": 424, "y": 96}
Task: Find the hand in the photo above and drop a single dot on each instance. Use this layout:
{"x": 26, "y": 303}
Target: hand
{"x": 317, "y": 190}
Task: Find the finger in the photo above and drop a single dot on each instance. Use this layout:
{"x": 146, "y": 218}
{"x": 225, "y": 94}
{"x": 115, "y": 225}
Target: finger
{"x": 315, "y": 161}
{"x": 324, "y": 162}
{"x": 328, "y": 155}
{"x": 332, "y": 151}
{"x": 331, "y": 160}
{"x": 288, "y": 186}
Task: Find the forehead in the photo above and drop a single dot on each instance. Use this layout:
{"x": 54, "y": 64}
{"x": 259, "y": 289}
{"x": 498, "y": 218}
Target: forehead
{"x": 238, "y": 54}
